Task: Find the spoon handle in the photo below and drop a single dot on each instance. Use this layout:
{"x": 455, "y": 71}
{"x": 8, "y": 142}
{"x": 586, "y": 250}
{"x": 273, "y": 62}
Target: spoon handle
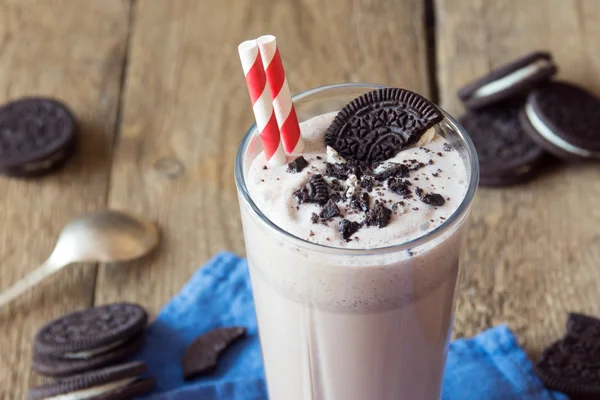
{"x": 28, "y": 282}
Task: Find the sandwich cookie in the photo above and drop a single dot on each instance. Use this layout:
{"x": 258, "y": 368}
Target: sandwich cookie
{"x": 512, "y": 79}
{"x": 507, "y": 156}
{"x": 564, "y": 119}
{"x": 37, "y": 136}
{"x": 122, "y": 382}
{"x": 89, "y": 339}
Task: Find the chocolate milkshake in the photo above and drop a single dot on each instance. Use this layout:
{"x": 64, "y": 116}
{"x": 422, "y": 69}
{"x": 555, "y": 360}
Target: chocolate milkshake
{"x": 354, "y": 246}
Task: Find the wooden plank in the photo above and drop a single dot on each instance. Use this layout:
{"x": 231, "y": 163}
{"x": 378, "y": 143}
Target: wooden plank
{"x": 186, "y": 109}
{"x": 72, "y": 50}
{"x": 533, "y": 249}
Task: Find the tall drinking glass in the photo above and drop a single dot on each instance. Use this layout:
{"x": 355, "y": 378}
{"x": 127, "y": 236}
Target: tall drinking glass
{"x": 353, "y": 324}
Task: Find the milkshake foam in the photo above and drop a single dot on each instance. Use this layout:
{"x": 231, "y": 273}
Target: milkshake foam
{"x": 441, "y": 170}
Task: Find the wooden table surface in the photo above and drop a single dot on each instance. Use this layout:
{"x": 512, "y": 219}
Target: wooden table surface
{"x": 159, "y": 91}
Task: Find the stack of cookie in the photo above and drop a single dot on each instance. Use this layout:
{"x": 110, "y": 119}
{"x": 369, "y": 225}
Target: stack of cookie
{"x": 572, "y": 364}
{"x": 83, "y": 349}
{"x": 517, "y": 117}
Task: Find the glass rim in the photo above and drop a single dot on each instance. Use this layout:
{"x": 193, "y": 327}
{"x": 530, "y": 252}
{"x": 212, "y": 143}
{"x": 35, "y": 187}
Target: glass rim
{"x": 455, "y": 217}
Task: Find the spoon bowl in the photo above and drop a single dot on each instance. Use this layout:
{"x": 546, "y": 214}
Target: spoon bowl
{"x": 103, "y": 236}
{"x": 106, "y": 237}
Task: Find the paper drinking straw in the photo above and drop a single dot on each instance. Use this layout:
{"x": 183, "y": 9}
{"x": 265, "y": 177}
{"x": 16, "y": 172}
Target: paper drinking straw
{"x": 262, "y": 102}
{"x": 282, "y": 97}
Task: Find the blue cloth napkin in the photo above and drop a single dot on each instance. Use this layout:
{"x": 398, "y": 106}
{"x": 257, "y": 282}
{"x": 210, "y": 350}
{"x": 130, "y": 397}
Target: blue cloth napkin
{"x": 489, "y": 366}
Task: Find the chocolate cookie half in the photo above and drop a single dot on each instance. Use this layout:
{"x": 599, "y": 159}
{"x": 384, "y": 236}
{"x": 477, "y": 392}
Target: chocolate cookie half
{"x": 565, "y": 372}
{"x": 507, "y": 155}
{"x": 581, "y": 325}
{"x": 122, "y": 382}
{"x": 572, "y": 364}
{"x": 37, "y": 136}
{"x": 378, "y": 125}
{"x": 201, "y": 357}
{"x": 89, "y": 339}
{"x": 513, "y": 79}
{"x": 564, "y": 119}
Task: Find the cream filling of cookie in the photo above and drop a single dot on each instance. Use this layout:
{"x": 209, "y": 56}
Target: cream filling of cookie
{"x": 514, "y": 77}
{"x": 522, "y": 170}
{"x": 426, "y": 137}
{"x": 333, "y": 156}
{"x": 550, "y": 136}
{"x": 93, "y": 352}
{"x": 45, "y": 164}
{"x": 93, "y": 391}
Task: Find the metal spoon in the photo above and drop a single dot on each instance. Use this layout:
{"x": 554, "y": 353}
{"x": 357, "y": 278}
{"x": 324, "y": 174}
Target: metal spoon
{"x": 104, "y": 236}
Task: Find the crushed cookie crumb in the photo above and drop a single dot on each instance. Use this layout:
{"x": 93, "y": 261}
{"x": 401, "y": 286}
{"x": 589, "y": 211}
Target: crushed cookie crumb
{"x": 314, "y": 218}
{"x": 330, "y": 211}
{"x": 297, "y": 165}
{"x": 378, "y": 215}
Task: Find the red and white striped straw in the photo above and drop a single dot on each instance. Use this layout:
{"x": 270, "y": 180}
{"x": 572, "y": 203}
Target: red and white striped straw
{"x": 282, "y": 97}
{"x": 262, "y": 102}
